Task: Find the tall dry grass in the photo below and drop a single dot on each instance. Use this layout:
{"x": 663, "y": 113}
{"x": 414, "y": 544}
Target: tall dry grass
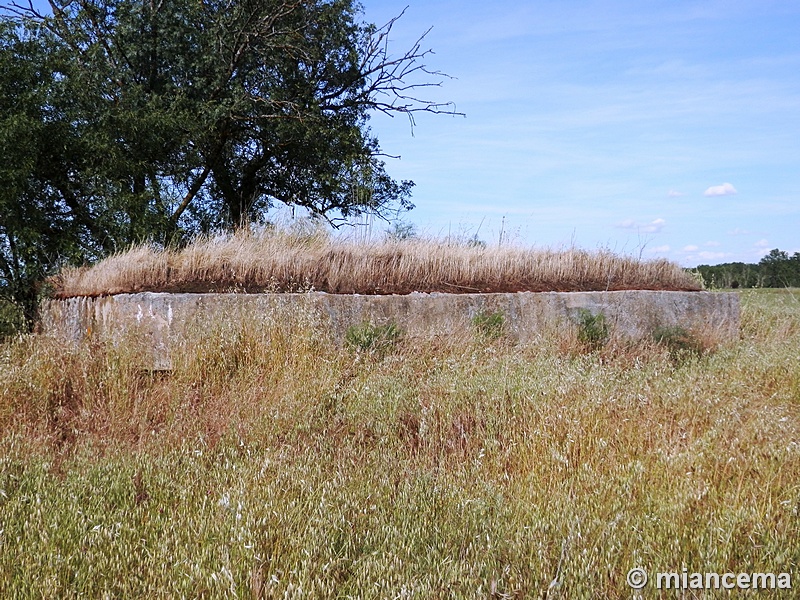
{"x": 281, "y": 260}
{"x": 271, "y": 463}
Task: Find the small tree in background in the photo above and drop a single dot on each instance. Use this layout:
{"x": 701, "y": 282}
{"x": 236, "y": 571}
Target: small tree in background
{"x": 400, "y": 230}
{"x": 779, "y": 270}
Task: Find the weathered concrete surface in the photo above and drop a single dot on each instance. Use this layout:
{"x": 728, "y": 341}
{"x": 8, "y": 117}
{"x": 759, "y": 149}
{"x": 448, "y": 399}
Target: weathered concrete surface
{"x": 161, "y": 319}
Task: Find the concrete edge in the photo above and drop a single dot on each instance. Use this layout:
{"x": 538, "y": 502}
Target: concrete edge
{"x": 158, "y": 320}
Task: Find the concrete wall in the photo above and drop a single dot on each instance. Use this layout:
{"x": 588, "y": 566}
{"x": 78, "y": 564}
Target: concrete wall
{"x": 159, "y": 319}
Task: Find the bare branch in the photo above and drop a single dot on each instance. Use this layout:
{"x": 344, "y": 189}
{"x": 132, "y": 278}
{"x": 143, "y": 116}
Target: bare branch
{"x": 389, "y": 84}
{"x": 23, "y": 11}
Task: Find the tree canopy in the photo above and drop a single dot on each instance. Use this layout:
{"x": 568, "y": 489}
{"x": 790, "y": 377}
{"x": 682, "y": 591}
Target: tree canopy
{"x": 131, "y": 120}
{"x": 775, "y": 270}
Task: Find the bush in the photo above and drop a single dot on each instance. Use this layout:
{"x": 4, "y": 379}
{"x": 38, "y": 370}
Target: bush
{"x": 489, "y": 325}
{"x": 592, "y": 330}
{"x": 372, "y": 338}
{"x": 680, "y": 342}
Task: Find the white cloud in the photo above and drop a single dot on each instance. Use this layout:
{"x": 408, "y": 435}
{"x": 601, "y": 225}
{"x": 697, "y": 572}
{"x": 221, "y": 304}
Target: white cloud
{"x": 761, "y": 244}
{"x": 691, "y": 248}
{"x": 652, "y": 227}
{"x": 675, "y": 194}
{"x": 711, "y": 244}
{"x": 726, "y": 189}
{"x": 658, "y": 249}
{"x": 739, "y": 231}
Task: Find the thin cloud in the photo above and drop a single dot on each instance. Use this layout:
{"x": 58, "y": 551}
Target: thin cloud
{"x": 659, "y": 249}
{"x": 675, "y": 194}
{"x": 711, "y": 244}
{"x": 651, "y": 227}
{"x": 691, "y": 248}
{"x": 762, "y": 244}
{"x": 726, "y": 189}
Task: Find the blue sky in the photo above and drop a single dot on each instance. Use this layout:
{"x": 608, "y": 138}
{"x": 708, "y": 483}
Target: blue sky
{"x": 660, "y": 129}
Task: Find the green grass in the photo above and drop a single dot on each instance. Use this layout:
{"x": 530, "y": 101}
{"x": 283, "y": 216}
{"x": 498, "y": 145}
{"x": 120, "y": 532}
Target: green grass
{"x": 593, "y": 330}
{"x": 369, "y": 337}
{"x": 272, "y": 464}
{"x": 489, "y": 325}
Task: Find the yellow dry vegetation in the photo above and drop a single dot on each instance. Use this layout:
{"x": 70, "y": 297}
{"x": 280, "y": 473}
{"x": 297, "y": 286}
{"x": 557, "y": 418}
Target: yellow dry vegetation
{"x": 279, "y": 260}
{"x": 271, "y": 462}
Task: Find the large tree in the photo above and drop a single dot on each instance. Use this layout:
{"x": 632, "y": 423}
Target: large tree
{"x": 128, "y": 120}
{"x": 38, "y": 227}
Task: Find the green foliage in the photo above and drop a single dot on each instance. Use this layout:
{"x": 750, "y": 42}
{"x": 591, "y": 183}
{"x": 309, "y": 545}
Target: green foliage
{"x": 780, "y": 270}
{"x": 125, "y": 121}
{"x": 402, "y": 231}
{"x": 593, "y": 329}
{"x": 372, "y": 338}
{"x": 680, "y": 342}
{"x": 12, "y": 319}
{"x": 776, "y": 270}
{"x": 489, "y": 325}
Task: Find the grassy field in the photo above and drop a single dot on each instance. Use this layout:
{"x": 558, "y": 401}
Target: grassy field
{"x": 273, "y": 463}
{"x": 283, "y": 259}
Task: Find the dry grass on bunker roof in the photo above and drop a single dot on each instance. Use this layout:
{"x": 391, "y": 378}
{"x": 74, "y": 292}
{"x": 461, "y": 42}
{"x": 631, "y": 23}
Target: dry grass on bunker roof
{"x": 285, "y": 261}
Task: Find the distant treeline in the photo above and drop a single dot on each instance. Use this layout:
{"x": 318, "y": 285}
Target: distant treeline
{"x": 776, "y": 270}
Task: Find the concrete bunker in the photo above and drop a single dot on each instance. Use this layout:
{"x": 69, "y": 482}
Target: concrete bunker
{"x": 160, "y": 320}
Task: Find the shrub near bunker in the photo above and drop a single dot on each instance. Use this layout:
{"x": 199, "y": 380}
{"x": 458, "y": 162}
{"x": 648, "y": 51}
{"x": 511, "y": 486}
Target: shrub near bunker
{"x": 679, "y": 342}
{"x": 369, "y": 337}
{"x": 593, "y": 330}
{"x": 489, "y": 325}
